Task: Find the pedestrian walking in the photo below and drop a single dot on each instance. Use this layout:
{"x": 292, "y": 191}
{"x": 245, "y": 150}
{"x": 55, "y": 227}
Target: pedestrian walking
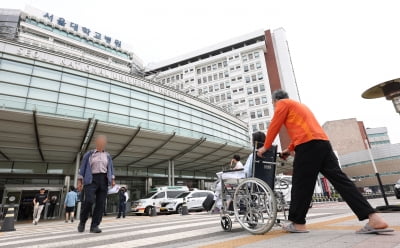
{"x": 69, "y": 204}
{"x": 123, "y": 199}
{"x": 39, "y": 202}
{"x": 95, "y": 175}
{"x": 313, "y": 155}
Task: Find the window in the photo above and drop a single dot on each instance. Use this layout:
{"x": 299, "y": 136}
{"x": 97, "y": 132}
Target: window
{"x": 263, "y": 99}
{"x": 210, "y": 88}
{"x": 261, "y": 126}
{"x": 226, "y": 74}
{"x": 160, "y": 195}
{"x": 220, "y": 75}
{"x": 262, "y": 87}
{"x": 255, "y": 89}
{"x": 43, "y": 94}
{"x": 236, "y": 56}
{"x": 244, "y": 58}
{"x": 200, "y": 91}
{"x": 215, "y": 76}
{"x": 252, "y": 115}
{"x": 203, "y": 69}
{"x": 242, "y": 100}
{"x": 230, "y": 58}
{"x": 249, "y": 91}
{"x": 46, "y": 73}
{"x": 219, "y": 65}
{"x": 227, "y": 84}
{"x": 45, "y": 84}
{"x": 211, "y": 99}
{"x": 14, "y": 90}
{"x": 245, "y": 68}
{"x": 209, "y": 78}
{"x": 259, "y": 113}
{"x": 254, "y": 127}
{"x": 266, "y": 112}
{"x": 217, "y": 98}
{"x": 214, "y": 66}
{"x": 258, "y": 65}
{"x": 225, "y": 63}
{"x": 96, "y": 94}
{"x": 251, "y": 102}
{"x": 260, "y": 76}
{"x": 209, "y": 68}
{"x": 216, "y": 87}
{"x": 236, "y": 102}
{"x": 240, "y": 89}
{"x": 250, "y": 56}
{"x": 232, "y": 68}
{"x": 228, "y": 95}
{"x": 204, "y": 79}
{"x": 252, "y": 67}
{"x": 221, "y": 86}
{"x": 256, "y": 54}
{"x": 199, "y": 81}
{"x": 253, "y": 78}
{"x": 257, "y": 101}
{"x": 237, "y": 67}
{"x": 247, "y": 79}
{"x": 223, "y": 97}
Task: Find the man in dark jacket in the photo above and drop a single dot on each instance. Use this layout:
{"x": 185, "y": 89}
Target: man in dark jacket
{"x": 123, "y": 198}
{"x": 95, "y": 174}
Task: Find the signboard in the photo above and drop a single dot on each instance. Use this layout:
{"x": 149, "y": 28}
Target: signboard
{"x": 73, "y": 26}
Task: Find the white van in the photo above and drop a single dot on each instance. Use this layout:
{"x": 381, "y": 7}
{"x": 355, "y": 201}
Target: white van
{"x": 194, "y": 201}
{"x": 155, "y": 197}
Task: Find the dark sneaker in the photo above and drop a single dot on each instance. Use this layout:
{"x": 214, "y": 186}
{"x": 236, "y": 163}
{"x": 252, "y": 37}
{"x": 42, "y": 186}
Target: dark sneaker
{"x": 66, "y": 221}
{"x": 81, "y": 227}
{"x": 72, "y": 220}
{"x": 95, "y": 229}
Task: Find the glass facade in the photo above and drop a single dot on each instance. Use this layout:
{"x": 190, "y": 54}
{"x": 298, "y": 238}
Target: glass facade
{"x": 28, "y": 84}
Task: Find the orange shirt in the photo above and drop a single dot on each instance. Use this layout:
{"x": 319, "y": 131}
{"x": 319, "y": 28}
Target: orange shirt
{"x": 300, "y": 122}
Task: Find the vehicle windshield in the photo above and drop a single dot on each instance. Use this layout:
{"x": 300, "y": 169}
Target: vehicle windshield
{"x": 149, "y": 195}
{"x": 183, "y": 195}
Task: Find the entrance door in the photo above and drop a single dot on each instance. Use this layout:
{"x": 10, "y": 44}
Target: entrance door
{"x": 26, "y": 205}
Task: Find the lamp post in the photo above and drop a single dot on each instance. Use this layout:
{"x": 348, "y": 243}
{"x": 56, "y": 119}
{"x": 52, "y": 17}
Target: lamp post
{"x": 391, "y": 91}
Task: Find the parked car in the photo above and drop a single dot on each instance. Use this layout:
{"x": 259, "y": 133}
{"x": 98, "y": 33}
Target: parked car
{"x": 194, "y": 201}
{"x": 397, "y": 189}
{"x": 155, "y": 198}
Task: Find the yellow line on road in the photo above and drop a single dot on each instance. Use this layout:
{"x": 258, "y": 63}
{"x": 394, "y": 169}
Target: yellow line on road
{"x": 277, "y": 233}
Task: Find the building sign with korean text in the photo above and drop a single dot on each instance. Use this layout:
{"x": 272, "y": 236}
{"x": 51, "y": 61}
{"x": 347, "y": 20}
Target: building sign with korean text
{"x": 73, "y": 26}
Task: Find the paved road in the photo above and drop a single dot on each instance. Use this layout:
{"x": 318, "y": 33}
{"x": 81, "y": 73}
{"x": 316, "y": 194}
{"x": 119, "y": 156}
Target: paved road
{"x": 331, "y": 225}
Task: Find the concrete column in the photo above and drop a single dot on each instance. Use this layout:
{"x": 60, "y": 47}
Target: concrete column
{"x": 173, "y": 173}
{"x": 77, "y": 164}
{"x": 149, "y": 183}
{"x": 201, "y": 184}
{"x": 169, "y": 173}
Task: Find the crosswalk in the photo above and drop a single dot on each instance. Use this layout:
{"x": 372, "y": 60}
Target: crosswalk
{"x": 165, "y": 231}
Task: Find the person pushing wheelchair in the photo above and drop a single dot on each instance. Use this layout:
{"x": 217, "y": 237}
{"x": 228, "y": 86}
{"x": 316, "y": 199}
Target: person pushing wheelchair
{"x": 314, "y": 155}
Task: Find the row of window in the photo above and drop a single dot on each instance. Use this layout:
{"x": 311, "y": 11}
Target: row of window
{"x": 215, "y": 87}
{"x": 72, "y": 92}
{"x": 212, "y": 67}
{"x": 261, "y": 126}
{"x": 259, "y": 113}
{"x": 251, "y": 67}
{"x": 250, "y": 56}
{"x": 254, "y": 78}
{"x": 214, "y": 77}
{"x": 257, "y": 101}
{"x": 255, "y": 89}
{"x": 220, "y": 98}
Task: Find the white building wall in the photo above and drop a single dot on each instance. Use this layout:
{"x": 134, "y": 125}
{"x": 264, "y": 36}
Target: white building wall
{"x": 284, "y": 61}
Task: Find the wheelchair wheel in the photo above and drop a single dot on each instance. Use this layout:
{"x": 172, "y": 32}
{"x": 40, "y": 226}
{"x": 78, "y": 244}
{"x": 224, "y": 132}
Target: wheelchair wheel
{"x": 226, "y": 223}
{"x": 255, "y": 206}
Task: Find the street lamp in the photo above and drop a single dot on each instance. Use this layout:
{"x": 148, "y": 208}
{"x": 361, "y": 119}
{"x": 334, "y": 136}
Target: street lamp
{"x": 389, "y": 89}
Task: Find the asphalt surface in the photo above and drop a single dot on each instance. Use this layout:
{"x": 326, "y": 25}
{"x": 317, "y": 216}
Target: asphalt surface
{"x": 331, "y": 225}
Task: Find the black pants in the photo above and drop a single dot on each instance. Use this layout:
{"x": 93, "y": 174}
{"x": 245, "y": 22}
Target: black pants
{"x": 96, "y": 192}
{"x": 122, "y": 209}
{"x": 312, "y": 158}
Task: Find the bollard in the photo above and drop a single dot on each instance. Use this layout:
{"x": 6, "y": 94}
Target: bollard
{"x": 153, "y": 211}
{"x": 185, "y": 210}
{"x": 8, "y": 223}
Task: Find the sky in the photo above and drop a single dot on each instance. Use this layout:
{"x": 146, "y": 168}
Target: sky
{"x": 339, "y": 48}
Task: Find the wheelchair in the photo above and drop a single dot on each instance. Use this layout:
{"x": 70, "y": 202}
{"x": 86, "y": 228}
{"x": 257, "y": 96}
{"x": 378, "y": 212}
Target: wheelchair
{"x": 254, "y": 202}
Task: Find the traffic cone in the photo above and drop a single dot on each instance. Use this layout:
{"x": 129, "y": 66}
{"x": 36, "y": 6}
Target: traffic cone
{"x": 8, "y": 223}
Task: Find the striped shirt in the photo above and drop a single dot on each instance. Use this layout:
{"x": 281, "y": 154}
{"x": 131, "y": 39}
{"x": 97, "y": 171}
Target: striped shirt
{"x": 98, "y": 161}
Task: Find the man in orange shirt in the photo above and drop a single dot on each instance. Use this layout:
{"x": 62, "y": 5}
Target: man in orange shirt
{"x": 314, "y": 154}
